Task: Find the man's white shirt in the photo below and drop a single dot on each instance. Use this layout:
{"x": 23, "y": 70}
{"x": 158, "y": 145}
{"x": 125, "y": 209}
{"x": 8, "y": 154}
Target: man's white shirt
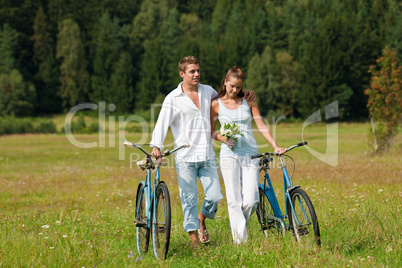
{"x": 189, "y": 125}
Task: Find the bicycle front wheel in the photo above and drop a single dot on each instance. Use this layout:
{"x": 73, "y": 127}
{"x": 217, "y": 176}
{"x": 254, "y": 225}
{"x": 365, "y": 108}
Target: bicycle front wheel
{"x": 305, "y": 224}
{"x": 265, "y": 214}
{"x": 161, "y": 221}
{"x": 141, "y": 221}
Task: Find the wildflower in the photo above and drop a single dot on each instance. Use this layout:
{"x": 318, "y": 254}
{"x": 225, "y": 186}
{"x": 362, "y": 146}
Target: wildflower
{"x": 45, "y": 226}
{"x": 64, "y": 236}
{"x": 227, "y": 133}
{"x": 236, "y": 129}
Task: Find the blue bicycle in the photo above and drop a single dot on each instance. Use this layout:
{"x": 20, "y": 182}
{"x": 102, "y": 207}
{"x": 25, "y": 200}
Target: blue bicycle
{"x": 302, "y": 219}
{"x": 152, "y": 206}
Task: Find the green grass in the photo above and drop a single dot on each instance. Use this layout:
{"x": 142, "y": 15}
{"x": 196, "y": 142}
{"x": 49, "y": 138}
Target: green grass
{"x": 64, "y": 206}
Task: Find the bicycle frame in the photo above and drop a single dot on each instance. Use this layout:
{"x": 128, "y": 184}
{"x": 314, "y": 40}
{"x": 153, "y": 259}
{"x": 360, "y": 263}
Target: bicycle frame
{"x": 270, "y": 193}
{"x": 149, "y": 193}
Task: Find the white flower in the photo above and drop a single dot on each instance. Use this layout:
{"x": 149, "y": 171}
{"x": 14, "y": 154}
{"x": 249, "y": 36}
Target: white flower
{"x": 388, "y": 249}
{"x": 236, "y": 129}
{"x": 227, "y": 133}
{"x": 64, "y": 236}
{"x": 45, "y": 226}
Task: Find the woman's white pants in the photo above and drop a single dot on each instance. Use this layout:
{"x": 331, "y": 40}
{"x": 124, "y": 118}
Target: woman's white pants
{"x": 241, "y": 176}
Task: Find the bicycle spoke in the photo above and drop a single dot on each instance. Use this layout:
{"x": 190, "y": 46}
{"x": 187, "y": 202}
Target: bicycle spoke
{"x": 142, "y": 230}
{"x": 265, "y": 215}
{"x": 304, "y": 220}
{"x": 161, "y": 222}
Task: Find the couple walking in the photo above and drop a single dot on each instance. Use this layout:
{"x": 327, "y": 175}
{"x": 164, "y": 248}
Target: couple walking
{"x": 191, "y": 111}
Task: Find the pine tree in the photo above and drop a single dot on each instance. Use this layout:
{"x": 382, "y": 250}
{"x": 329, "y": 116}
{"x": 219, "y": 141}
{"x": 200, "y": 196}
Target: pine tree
{"x": 171, "y": 36}
{"x": 152, "y": 74}
{"x": 74, "y": 77}
{"x": 48, "y": 100}
{"x": 16, "y": 94}
{"x": 108, "y": 47}
{"x": 260, "y": 77}
{"x": 288, "y": 70}
{"x": 121, "y": 81}
{"x": 190, "y": 27}
{"x": 147, "y": 23}
{"x": 323, "y": 62}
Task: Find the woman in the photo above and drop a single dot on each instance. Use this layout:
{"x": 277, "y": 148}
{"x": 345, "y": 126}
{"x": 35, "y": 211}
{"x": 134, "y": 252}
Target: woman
{"x": 239, "y": 172}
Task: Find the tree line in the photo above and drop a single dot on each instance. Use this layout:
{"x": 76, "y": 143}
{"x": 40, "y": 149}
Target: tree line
{"x": 298, "y": 55}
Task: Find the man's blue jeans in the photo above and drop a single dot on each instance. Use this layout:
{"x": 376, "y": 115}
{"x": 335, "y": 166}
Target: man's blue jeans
{"x": 187, "y": 173}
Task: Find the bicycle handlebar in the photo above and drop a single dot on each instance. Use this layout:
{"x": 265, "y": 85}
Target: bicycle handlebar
{"x": 165, "y": 153}
{"x": 276, "y": 153}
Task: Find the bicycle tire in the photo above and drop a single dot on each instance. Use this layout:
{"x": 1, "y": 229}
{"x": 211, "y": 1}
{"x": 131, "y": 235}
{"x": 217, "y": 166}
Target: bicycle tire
{"x": 142, "y": 230}
{"x": 307, "y": 230}
{"x": 161, "y": 221}
{"x": 264, "y": 209}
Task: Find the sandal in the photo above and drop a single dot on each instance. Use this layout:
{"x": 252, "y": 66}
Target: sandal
{"x": 204, "y": 234}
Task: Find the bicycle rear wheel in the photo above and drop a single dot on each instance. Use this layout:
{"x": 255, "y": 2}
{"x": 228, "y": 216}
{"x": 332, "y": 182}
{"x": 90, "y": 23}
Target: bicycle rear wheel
{"x": 141, "y": 222}
{"x": 264, "y": 212}
{"x": 161, "y": 221}
{"x": 305, "y": 227}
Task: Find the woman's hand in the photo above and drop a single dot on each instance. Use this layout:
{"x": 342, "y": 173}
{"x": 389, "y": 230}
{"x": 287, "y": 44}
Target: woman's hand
{"x": 228, "y": 142}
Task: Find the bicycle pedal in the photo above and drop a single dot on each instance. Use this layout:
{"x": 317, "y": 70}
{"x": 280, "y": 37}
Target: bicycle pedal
{"x": 140, "y": 224}
{"x": 303, "y": 231}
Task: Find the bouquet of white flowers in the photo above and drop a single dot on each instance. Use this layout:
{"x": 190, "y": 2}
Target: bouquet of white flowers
{"x": 229, "y": 131}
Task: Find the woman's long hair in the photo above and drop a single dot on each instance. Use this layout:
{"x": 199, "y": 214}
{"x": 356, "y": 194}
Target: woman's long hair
{"x": 236, "y": 73}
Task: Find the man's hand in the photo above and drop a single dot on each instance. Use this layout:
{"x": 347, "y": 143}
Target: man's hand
{"x": 249, "y": 95}
{"x": 156, "y": 152}
{"x": 280, "y": 150}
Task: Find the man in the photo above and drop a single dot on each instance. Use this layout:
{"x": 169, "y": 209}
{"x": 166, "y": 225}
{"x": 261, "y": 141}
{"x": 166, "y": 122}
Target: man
{"x": 187, "y": 111}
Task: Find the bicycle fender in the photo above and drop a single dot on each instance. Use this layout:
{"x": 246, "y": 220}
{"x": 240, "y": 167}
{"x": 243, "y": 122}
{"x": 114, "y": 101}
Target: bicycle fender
{"x": 292, "y": 188}
{"x": 153, "y": 195}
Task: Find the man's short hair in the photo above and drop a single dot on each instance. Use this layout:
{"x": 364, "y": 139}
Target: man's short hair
{"x": 184, "y": 62}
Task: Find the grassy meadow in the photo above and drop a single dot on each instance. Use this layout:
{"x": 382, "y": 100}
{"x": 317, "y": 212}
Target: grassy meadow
{"x": 65, "y": 206}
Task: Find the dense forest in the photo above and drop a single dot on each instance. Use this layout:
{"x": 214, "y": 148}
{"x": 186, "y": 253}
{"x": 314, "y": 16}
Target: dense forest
{"x": 298, "y": 55}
